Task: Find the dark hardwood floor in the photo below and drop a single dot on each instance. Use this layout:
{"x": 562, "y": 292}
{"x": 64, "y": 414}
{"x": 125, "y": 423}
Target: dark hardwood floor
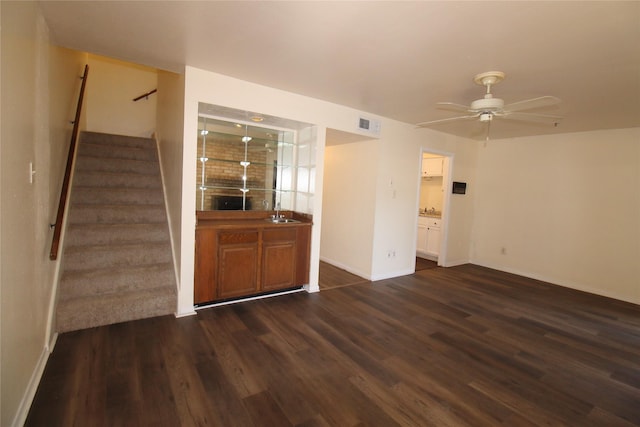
{"x": 423, "y": 264}
{"x": 333, "y": 277}
{"x": 461, "y": 346}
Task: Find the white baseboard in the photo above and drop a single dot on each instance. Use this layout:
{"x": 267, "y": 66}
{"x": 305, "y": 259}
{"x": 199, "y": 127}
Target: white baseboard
{"x": 456, "y": 262}
{"x": 52, "y": 342}
{"x": 32, "y": 387}
{"x": 312, "y": 289}
{"x": 427, "y": 256}
{"x": 393, "y": 274}
{"x": 186, "y": 314}
{"x": 257, "y": 297}
{"x": 554, "y": 281}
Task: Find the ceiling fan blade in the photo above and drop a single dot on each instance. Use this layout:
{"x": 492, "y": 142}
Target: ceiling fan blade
{"x": 531, "y": 117}
{"x": 528, "y": 104}
{"x": 451, "y": 119}
{"x": 452, "y": 106}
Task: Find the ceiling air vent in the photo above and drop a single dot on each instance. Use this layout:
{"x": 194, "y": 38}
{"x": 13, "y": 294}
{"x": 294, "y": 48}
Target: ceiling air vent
{"x": 370, "y": 126}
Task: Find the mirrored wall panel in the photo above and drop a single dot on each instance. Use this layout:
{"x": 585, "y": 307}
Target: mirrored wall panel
{"x": 244, "y": 167}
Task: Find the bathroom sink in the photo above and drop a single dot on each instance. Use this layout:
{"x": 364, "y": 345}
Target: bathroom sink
{"x": 429, "y": 215}
{"x": 281, "y": 220}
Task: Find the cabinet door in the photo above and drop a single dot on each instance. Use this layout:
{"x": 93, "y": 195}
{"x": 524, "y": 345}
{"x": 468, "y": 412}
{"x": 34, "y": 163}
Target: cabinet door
{"x": 421, "y": 244}
{"x": 433, "y": 240}
{"x": 278, "y": 259}
{"x": 432, "y": 166}
{"x": 237, "y": 263}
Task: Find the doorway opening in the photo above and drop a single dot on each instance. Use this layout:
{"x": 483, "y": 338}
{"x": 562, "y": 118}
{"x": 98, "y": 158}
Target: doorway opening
{"x": 433, "y": 209}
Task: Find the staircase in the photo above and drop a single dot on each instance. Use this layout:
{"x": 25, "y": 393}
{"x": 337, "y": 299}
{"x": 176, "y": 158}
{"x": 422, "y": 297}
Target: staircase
{"x": 117, "y": 263}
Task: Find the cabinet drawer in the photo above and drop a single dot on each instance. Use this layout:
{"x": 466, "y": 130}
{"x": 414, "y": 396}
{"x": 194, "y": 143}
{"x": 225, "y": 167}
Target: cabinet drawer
{"x": 279, "y": 235}
{"x": 237, "y": 237}
{"x": 426, "y": 221}
{"x": 434, "y": 222}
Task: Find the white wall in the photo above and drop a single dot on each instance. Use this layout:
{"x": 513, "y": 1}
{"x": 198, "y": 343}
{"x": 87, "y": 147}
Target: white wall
{"x": 38, "y": 90}
{"x": 565, "y": 208}
{"x": 170, "y": 129}
{"x": 348, "y": 206}
{"x": 397, "y": 197}
{"x": 460, "y": 214}
{"x": 431, "y": 193}
{"x": 111, "y": 88}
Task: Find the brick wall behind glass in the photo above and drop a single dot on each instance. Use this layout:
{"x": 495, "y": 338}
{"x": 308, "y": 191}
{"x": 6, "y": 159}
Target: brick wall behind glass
{"x": 228, "y": 172}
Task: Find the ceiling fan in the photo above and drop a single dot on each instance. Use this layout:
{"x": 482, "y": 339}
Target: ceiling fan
{"x": 487, "y": 108}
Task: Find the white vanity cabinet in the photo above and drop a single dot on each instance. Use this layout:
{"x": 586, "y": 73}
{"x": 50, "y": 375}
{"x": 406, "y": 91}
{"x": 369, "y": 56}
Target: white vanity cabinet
{"x": 433, "y": 236}
{"x": 421, "y": 244}
{"x": 428, "y": 240}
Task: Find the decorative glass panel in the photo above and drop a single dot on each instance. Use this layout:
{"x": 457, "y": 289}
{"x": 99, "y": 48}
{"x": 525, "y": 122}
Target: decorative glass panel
{"x": 243, "y": 167}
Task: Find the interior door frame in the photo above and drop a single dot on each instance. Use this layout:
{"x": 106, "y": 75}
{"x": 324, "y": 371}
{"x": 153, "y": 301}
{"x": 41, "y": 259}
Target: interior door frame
{"x": 447, "y": 182}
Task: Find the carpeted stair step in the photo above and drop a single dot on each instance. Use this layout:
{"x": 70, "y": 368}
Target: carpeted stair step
{"x": 96, "y": 282}
{"x": 143, "y": 167}
{"x": 116, "y": 196}
{"x": 117, "y": 152}
{"x": 114, "y": 308}
{"x": 116, "y": 140}
{"x": 115, "y": 255}
{"x": 103, "y": 234}
{"x": 110, "y": 214}
{"x": 89, "y": 178}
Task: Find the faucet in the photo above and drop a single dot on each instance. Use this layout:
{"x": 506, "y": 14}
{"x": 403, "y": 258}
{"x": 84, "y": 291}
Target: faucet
{"x": 277, "y": 215}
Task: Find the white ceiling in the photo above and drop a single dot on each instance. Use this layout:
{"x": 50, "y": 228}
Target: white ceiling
{"x": 394, "y": 59}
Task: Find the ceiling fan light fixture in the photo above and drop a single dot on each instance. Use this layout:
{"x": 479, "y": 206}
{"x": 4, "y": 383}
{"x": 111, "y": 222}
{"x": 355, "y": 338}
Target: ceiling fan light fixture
{"x": 493, "y": 104}
{"x": 486, "y": 117}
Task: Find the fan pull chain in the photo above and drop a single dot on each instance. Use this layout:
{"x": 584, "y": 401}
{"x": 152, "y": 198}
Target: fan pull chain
{"x": 488, "y": 129}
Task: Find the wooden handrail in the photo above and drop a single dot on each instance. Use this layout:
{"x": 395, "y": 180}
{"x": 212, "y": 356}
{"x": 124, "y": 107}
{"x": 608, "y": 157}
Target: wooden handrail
{"x": 67, "y": 172}
{"x": 145, "y": 95}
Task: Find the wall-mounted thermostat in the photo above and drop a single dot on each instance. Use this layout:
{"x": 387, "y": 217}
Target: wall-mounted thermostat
{"x": 371, "y": 126}
{"x": 459, "y": 187}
